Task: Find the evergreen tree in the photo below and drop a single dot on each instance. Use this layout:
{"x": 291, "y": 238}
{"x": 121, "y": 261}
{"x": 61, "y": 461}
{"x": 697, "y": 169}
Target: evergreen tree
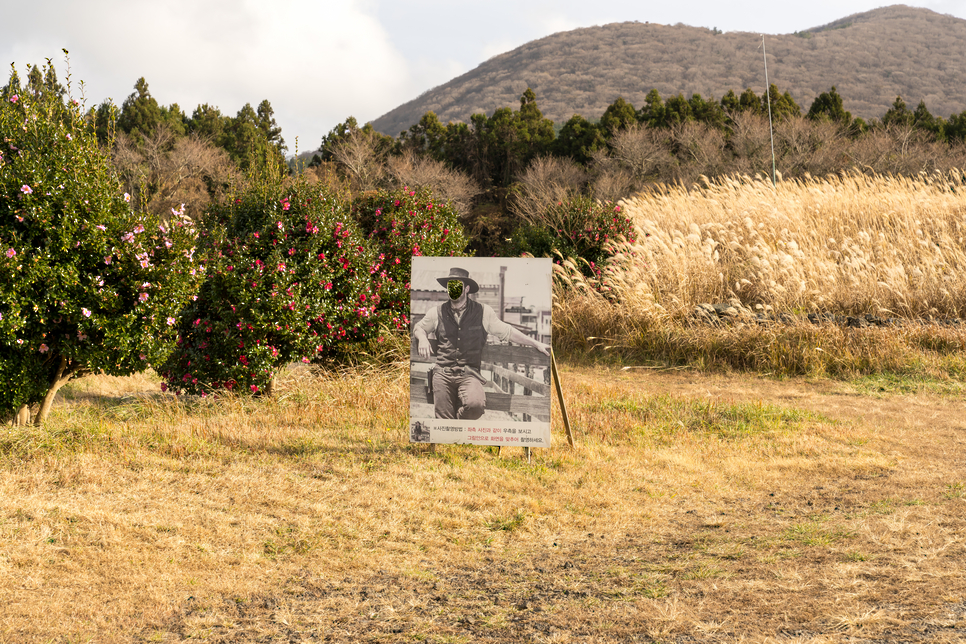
{"x": 140, "y": 114}
{"x": 175, "y": 119}
{"x": 652, "y": 114}
{"x": 246, "y": 139}
{"x": 269, "y": 128}
{"x": 749, "y": 102}
{"x": 13, "y": 86}
{"x": 782, "y": 105}
{"x": 827, "y": 106}
{"x": 208, "y": 122}
{"x": 45, "y": 82}
{"x": 677, "y": 110}
{"x": 427, "y": 137}
{"x": 707, "y": 111}
{"x": 578, "y": 139}
{"x": 618, "y": 116}
{"x": 923, "y": 120}
{"x": 898, "y": 114}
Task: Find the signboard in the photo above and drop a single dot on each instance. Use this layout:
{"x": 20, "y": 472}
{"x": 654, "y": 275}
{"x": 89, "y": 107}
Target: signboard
{"x": 480, "y": 362}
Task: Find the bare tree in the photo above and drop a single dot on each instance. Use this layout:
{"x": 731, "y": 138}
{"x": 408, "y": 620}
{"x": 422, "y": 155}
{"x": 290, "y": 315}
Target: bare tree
{"x": 750, "y": 144}
{"x": 700, "y": 151}
{"x": 810, "y": 147}
{"x": 546, "y": 181}
{"x": 360, "y": 156}
{"x": 451, "y": 185}
{"x": 643, "y": 151}
{"x": 165, "y": 171}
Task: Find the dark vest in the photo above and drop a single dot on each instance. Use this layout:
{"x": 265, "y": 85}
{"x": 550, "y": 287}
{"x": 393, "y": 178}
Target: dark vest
{"x": 460, "y": 344}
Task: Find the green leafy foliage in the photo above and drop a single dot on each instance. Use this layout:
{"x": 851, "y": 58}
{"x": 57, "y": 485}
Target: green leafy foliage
{"x": 579, "y": 227}
{"x": 401, "y": 224}
{"x": 289, "y": 278}
{"x": 86, "y": 284}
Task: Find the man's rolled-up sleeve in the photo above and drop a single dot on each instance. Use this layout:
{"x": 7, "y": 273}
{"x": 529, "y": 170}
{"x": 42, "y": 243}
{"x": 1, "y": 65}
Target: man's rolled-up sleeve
{"x": 495, "y": 326}
{"x": 428, "y": 323}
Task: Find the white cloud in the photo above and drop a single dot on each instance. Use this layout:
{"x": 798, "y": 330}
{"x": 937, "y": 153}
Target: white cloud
{"x": 316, "y": 63}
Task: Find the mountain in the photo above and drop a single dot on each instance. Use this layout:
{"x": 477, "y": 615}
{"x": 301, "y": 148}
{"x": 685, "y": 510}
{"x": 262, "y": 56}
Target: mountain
{"x": 869, "y": 57}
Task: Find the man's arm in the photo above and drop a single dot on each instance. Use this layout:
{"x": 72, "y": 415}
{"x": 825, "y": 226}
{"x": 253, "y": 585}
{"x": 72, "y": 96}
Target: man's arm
{"x": 520, "y": 338}
{"x": 507, "y": 332}
{"x": 421, "y": 333}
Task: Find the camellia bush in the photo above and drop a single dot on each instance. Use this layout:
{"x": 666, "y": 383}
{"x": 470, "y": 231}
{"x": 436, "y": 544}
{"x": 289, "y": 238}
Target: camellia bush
{"x": 579, "y": 228}
{"x": 86, "y": 284}
{"x": 289, "y": 278}
{"x": 401, "y": 224}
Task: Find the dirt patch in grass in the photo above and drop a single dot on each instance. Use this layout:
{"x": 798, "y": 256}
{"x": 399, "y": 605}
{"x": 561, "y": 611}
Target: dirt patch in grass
{"x": 698, "y": 507}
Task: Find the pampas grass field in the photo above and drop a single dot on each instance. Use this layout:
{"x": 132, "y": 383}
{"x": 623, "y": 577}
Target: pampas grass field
{"x": 854, "y": 245}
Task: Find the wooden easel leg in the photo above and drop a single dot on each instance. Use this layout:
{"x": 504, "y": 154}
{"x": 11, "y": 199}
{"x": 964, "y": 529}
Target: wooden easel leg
{"x": 563, "y": 405}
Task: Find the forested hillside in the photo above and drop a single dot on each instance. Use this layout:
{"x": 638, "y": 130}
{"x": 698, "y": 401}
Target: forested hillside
{"x": 870, "y": 57}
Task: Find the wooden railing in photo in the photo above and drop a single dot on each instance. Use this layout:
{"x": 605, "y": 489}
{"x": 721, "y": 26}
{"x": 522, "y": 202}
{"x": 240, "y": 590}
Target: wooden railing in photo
{"x": 516, "y": 392}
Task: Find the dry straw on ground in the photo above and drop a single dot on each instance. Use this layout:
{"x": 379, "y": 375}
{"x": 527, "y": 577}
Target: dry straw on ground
{"x": 695, "y": 509}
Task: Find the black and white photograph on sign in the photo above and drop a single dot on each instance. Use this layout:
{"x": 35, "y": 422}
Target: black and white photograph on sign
{"x": 480, "y": 357}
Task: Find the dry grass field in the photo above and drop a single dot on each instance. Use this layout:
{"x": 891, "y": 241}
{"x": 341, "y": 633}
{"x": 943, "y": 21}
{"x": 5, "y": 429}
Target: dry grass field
{"x": 740, "y": 482}
{"x": 697, "y": 508}
{"x": 855, "y": 245}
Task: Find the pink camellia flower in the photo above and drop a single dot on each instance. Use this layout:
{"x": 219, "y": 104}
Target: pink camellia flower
{"x": 44, "y": 348}
{"x": 101, "y": 227}
{"x": 143, "y": 297}
{"x": 108, "y": 259}
{"x": 254, "y": 388}
{"x": 139, "y": 228}
{"x": 170, "y": 321}
{"x": 26, "y": 189}
{"x": 10, "y": 253}
{"x": 86, "y": 312}
{"x": 127, "y": 197}
{"x": 14, "y": 98}
{"x": 164, "y": 386}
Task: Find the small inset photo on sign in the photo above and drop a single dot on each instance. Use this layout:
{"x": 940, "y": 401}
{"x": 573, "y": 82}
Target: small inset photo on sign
{"x": 480, "y": 358}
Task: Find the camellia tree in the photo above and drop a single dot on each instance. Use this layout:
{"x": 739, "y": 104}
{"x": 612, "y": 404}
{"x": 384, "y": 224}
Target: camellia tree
{"x": 289, "y": 278}
{"x": 401, "y": 224}
{"x": 87, "y": 285}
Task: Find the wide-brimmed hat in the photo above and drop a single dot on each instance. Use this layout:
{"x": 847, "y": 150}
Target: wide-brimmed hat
{"x": 462, "y": 275}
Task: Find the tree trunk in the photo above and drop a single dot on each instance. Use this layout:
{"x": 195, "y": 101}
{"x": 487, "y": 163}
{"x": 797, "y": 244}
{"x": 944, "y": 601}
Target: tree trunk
{"x": 270, "y": 387}
{"x": 23, "y": 416}
{"x": 59, "y": 380}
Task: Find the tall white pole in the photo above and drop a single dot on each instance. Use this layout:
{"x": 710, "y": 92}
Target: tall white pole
{"x": 771, "y": 129}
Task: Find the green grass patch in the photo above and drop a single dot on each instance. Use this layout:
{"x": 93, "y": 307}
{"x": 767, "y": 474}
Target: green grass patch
{"x": 897, "y": 383}
{"x": 662, "y": 417}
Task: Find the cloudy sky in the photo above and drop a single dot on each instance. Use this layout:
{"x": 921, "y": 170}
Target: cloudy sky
{"x": 319, "y": 61}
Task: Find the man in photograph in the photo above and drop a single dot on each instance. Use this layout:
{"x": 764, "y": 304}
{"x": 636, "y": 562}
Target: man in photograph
{"x": 461, "y": 326}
